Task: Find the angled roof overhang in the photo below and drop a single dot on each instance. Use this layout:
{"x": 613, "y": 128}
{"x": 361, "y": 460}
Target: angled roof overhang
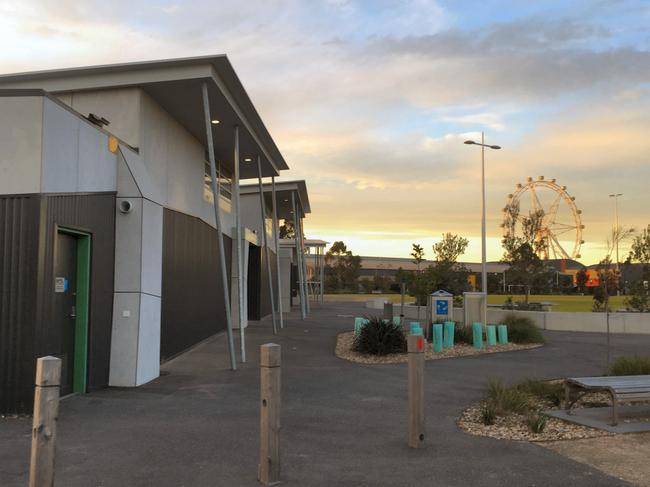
{"x": 283, "y": 190}
{"x": 176, "y": 85}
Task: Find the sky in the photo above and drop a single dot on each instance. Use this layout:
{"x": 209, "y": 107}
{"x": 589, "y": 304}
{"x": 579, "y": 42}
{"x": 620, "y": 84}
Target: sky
{"x": 370, "y": 101}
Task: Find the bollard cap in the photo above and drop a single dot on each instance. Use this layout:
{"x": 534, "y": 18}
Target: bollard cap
{"x": 416, "y": 344}
{"x": 48, "y": 371}
{"x": 270, "y": 355}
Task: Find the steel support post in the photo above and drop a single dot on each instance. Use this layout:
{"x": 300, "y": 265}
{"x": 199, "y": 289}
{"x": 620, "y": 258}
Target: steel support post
{"x": 216, "y": 196}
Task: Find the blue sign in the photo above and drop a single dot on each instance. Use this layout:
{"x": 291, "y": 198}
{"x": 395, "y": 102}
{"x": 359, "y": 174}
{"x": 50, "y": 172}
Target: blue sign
{"x": 442, "y": 307}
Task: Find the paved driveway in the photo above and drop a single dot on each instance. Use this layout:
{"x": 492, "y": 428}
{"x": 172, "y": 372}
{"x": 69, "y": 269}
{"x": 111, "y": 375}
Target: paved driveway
{"x": 344, "y": 424}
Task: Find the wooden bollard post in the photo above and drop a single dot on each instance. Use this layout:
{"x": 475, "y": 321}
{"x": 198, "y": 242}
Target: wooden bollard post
{"x": 269, "y": 469}
{"x": 46, "y": 412}
{"x": 416, "y": 346}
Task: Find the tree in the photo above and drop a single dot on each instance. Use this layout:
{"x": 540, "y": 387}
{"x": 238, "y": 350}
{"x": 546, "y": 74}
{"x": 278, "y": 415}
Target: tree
{"x": 445, "y": 273}
{"x": 522, "y": 253}
{"x": 640, "y": 250}
{"x": 287, "y": 230}
{"x": 449, "y": 248}
{"x": 342, "y": 268}
{"x": 417, "y": 285}
{"x": 608, "y": 278}
{"x": 639, "y": 298}
{"x": 581, "y": 280}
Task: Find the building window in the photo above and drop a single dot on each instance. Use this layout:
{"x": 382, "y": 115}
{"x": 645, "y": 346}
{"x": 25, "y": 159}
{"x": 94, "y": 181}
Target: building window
{"x": 224, "y": 179}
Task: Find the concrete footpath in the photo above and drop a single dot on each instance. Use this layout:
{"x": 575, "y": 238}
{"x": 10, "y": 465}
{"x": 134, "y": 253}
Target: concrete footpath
{"x": 343, "y": 424}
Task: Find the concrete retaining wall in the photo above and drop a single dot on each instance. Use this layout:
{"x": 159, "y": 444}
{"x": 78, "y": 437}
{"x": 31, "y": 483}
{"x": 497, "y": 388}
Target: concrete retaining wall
{"x": 631, "y": 323}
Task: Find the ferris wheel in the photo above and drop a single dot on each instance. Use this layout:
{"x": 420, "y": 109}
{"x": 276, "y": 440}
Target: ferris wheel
{"x": 559, "y": 229}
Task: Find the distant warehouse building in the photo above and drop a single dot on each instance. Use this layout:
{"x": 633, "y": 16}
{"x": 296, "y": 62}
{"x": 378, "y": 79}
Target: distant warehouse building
{"x": 388, "y": 267}
{"x": 108, "y": 254}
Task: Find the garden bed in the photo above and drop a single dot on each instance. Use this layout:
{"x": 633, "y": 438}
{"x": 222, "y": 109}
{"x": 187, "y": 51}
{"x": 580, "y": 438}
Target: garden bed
{"x": 345, "y": 342}
{"x": 515, "y": 412}
{"x": 513, "y": 425}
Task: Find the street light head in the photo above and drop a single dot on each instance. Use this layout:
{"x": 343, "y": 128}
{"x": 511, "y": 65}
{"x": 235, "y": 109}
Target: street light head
{"x": 469, "y": 142}
{"x": 496, "y": 147}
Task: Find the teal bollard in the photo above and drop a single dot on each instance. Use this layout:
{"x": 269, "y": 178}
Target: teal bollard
{"x": 417, "y": 331}
{"x": 491, "y": 335}
{"x": 477, "y": 330}
{"x": 358, "y": 324}
{"x": 448, "y": 340}
{"x": 397, "y": 320}
{"x": 413, "y": 325}
{"x": 437, "y": 338}
{"x": 503, "y": 334}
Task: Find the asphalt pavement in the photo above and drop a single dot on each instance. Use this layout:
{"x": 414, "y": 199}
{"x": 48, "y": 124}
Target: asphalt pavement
{"x": 343, "y": 424}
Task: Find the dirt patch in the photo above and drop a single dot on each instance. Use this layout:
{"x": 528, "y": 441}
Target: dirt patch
{"x": 621, "y": 456}
{"x": 345, "y": 341}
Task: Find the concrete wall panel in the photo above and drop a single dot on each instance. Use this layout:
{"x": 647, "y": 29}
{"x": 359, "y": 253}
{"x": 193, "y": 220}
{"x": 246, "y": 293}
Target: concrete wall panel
{"x": 148, "y": 340}
{"x": 97, "y": 164}
{"x": 154, "y": 146}
{"x": 124, "y": 339}
{"x": 126, "y": 184}
{"x": 60, "y": 149}
{"x": 121, "y": 107}
{"x": 75, "y": 154}
{"x": 128, "y": 247}
{"x": 21, "y": 125}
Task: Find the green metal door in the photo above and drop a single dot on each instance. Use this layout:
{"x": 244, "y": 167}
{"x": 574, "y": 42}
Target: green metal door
{"x": 71, "y": 303}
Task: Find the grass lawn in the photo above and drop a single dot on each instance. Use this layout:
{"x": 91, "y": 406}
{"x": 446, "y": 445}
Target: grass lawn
{"x": 561, "y": 303}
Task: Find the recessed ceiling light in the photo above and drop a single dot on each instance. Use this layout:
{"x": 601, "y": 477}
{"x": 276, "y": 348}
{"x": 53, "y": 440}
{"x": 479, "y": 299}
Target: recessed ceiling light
{"x": 286, "y": 201}
{"x": 247, "y": 159}
{"x": 214, "y": 122}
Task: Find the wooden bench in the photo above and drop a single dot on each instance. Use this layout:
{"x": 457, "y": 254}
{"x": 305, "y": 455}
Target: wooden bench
{"x": 623, "y": 388}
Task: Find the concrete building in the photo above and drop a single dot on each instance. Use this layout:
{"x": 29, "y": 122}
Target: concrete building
{"x": 287, "y": 204}
{"x": 109, "y": 252}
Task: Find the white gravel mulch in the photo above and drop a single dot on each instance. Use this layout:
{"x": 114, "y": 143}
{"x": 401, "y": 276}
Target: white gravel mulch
{"x": 345, "y": 341}
{"x": 515, "y": 427}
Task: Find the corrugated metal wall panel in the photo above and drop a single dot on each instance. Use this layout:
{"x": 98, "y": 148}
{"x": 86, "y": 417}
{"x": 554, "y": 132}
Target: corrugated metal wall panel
{"x": 95, "y": 214}
{"x": 265, "y": 301}
{"x": 192, "y": 295}
{"x": 19, "y": 226}
{"x": 28, "y": 226}
{"x": 253, "y": 281}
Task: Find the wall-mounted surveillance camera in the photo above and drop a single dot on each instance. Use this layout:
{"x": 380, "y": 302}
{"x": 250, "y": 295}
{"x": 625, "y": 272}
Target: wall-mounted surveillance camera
{"x": 126, "y": 206}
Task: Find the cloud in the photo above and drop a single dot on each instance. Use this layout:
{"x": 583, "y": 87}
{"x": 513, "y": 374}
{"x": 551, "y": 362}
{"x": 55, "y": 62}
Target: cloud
{"x": 371, "y": 101}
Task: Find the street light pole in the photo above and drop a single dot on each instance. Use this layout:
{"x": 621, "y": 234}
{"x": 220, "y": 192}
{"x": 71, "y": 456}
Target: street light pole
{"x": 483, "y": 220}
{"x": 483, "y": 236}
{"x": 616, "y": 228}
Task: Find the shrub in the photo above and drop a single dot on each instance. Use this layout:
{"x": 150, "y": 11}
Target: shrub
{"x": 379, "y": 338}
{"x": 522, "y": 329}
{"x": 551, "y": 392}
{"x": 488, "y": 413}
{"x": 630, "y": 366}
{"x": 506, "y": 399}
{"x": 536, "y": 422}
{"x": 463, "y": 334}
